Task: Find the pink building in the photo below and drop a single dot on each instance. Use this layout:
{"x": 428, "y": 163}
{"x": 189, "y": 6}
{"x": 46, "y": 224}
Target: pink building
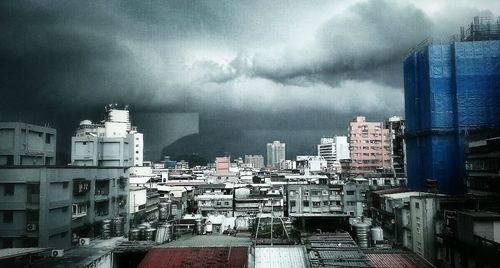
{"x": 370, "y": 146}
{"x": 222, "y": 164}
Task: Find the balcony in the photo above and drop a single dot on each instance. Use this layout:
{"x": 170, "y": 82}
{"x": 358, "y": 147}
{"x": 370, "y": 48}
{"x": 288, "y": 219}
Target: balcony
{"x": 101, "y": 213}
{"x": 102, "y": 187}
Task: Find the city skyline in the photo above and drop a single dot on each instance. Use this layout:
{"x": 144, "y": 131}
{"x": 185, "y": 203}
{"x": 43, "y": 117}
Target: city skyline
{"x": 347, "y": 133}
{"x": 251, "y": 72}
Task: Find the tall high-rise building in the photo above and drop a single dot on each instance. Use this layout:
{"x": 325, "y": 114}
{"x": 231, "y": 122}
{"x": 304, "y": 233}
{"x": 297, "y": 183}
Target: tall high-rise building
{"x": 333, "y": 150}
{"x": 370, "y": 146}
{"x": 450, "y": 89}
{"x": 256, "y": 161}
{"x": 275, "y": 154}
{"x": 113, "y": 142}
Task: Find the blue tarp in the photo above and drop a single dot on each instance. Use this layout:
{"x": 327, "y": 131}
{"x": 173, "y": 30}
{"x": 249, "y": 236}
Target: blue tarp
{"x": 449, "y": 89}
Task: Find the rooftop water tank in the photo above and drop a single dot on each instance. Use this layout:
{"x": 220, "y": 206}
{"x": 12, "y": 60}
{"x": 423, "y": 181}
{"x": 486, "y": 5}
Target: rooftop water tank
{"x": 361, "y": 230}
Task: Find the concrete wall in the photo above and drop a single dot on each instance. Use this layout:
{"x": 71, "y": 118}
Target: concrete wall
{"x": 25, "y": 144}
{"x": 137, "y": 197}
{"x": 54, "y": 201}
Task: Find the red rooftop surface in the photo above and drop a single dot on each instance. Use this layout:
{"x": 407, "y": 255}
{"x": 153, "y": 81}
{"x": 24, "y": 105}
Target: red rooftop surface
{"x": 196, "y": 257}
{"x": 398, "y": 260}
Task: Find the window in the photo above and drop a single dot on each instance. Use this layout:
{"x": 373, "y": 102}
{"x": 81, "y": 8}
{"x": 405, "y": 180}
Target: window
{"x": 136, "y": 152}
{"x": 417, "y": 205}
{"x": 8, "y": 216}
{"x": 293, "y": 203}
{"x": 350, "y": 192}
{"x": 47, "y": 138}
{"x": 218, "y": 203}
{"x": 316, "y": 204}
{"x": 306, "y": 192}
{"x": 78, "y": 210}
{"x": 291, "y": 193}
{"x": 325, "y": 203}
{"x": 8, "y": 189}
{"x": 226, "y": 203}
{"x": 305, "y": 203}
{"x": 350, "y": 203}
{"x": 82, "y": 209}
{"x": 84, "y": 143}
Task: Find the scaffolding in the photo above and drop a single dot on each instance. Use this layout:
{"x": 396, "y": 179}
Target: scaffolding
{"x": 481, "y": 29}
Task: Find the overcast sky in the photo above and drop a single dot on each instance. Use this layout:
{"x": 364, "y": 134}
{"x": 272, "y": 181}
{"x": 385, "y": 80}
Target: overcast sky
{"x": 275, "y": 66}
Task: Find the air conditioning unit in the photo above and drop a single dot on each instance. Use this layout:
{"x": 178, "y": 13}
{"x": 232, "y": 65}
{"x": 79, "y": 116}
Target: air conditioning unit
{"x": 84, "y": 241}
{"x": 57, "y": 253}
{"x": 31, "y": 227}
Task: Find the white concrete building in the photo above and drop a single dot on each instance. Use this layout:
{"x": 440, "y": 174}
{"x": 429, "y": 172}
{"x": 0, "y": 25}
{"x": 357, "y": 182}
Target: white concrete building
{"x": 334, "y": 149}
{"x": 275, "y": 154}
{"x": 137, "y": 197}
{"x": 311, "y": 163}
{"x": 113, "y": 142}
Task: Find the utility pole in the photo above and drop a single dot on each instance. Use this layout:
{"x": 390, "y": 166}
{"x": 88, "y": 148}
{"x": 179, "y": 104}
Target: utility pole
{"x": 272, "y": 221}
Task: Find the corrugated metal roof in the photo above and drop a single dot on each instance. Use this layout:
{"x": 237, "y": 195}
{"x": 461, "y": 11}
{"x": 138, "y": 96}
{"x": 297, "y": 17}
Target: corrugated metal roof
{"x": 335, "y": 250}
{"x": 398, "y": 260}
{"x": 280, "y": 256}
{"x": 196, "y": 257}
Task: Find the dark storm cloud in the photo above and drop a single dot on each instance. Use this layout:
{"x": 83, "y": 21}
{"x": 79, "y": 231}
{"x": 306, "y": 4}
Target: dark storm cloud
{"x": 368, "y": 36}
{"x": 267, "y": 65}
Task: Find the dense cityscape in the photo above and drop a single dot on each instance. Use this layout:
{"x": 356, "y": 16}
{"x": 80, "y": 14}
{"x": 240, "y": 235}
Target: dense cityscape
{"x": 419, "y": 188}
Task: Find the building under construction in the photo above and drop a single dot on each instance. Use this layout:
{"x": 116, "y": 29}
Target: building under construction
{"x": 450, "y": 89}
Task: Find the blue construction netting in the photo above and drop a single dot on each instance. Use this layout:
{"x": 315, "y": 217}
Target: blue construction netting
{"x": 449, "y": 89}
{"x": 477, "y": 79}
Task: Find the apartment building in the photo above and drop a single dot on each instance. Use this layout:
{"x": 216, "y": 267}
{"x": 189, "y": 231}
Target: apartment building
{"x": 26, "y": 144}
{"x": 305, "y": 199}
{"x": 262, "y": 201}
{"x": 111, "y": 143}
{"x": 369, "y": 146}
{"x": 49, "y": 206}
{"x": 214, "y": 199}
